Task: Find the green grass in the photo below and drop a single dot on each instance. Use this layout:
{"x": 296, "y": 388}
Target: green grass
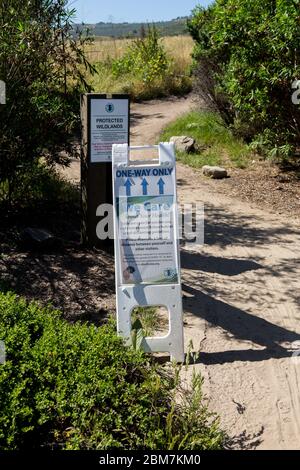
{"x": 223, "y": 148}
{"x": 149, "y": 318}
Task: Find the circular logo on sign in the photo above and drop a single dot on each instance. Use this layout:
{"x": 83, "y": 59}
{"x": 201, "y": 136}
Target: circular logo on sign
{"x": 109, "y": 108}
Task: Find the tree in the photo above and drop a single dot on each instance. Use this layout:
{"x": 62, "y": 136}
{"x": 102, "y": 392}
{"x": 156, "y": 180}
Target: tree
{"x": 43, "y": 65}
{"x": 248, "y": 57}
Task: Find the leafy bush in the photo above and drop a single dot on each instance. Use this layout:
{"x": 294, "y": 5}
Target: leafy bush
{"x": 43, "y": 67}
{"x": 77, "y": 387}
{"x": 104, "y": 81}
{"x": 44, "y": 187}
{"x": 145, "y": 57}
{"x": 247, "y": 56}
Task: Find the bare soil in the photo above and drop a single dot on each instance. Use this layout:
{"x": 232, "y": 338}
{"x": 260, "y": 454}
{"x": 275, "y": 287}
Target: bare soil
{"x": 266, "y": 186}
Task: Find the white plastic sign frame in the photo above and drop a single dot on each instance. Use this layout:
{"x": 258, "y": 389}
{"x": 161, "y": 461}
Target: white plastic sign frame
{"x": 143, "y": 294}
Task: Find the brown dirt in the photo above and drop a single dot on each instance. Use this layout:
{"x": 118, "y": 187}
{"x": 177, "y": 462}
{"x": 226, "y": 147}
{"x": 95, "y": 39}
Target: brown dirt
{"x": 264, "y": 185}
{"x": 241, "y": 299}
{"x": 78, "y": 282}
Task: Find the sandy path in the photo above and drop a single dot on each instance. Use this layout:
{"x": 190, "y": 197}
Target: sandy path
{"x": 241, "y": 302}
{"x": 242, "y": 294}
{"x": 149, "y": 118}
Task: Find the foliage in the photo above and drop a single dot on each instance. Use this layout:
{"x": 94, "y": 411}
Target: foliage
{"x": 44, "y": 70}
{"x": 145, "y": 70}
{"x": 215, "y": 142}
{"x": 145, "y": 57}
{"x": 144, "y": 322}
{"x": 247, "y": 56}
{"x": 147, "y": 318}
{"x": 45, "y": 188}
{"x": 78, "y": 387}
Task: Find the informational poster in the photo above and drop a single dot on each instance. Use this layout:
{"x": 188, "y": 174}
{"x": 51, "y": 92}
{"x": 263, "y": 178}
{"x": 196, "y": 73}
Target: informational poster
{"x": 146, "y": 232}
{"x": 109, "y": 124}
{"x": 146, "y": 210}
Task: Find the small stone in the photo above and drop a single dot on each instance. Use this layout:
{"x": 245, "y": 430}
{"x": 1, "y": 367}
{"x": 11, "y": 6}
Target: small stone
{"x": 283, "y": 178}
{"x": 200, "y": 148}
{"x": 38, "y": 239}
{"x": 215, "y": 172}
{"x": 184, "y": 143}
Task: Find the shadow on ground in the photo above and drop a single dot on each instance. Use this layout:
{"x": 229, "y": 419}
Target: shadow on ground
{"x": 78, "y": 282}
{"x": 218, "y": 265}
{"x": 223, "y": 228}
{"x": 242, "y": 325}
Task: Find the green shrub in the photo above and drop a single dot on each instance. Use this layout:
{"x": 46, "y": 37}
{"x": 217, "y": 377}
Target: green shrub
{"x": 145, "y": 57}
{"x": 43, "y": 66}
{"x": 247, "y": 58}
{"x": 78, "y": 387}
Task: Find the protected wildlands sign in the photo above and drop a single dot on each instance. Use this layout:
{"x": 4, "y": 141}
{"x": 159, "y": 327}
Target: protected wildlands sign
{"x": 109, "y": 124}
{"x": 105, "y": 121}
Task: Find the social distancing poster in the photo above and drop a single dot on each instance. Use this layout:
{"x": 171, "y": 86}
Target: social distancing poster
{"x": 145, "y": 206}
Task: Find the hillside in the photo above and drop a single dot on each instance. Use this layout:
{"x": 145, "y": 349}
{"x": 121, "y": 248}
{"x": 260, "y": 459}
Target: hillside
{"x": 120, "y": 30}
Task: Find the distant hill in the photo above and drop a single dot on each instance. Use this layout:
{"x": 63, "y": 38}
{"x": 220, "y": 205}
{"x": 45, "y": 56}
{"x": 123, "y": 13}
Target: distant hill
{"x": 120, "y": 30}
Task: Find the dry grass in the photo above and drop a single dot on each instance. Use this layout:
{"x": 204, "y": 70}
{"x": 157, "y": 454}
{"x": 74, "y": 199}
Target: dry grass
{"x": 178, "y": 47}
{"x": 104, "y": 50}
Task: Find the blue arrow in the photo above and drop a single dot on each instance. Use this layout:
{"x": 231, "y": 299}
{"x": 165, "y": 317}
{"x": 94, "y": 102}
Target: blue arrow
{"x": 161, "y": 185}
{"x": 145, "y": 187}
{"x": 128, "y": 185}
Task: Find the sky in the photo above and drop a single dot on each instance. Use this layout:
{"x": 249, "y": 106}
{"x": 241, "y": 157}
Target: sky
{"x": 118, "y": 11}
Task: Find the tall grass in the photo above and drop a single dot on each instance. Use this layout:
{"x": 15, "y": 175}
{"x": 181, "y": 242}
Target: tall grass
{"x": 178, "y": 47}
{"x": 104, "y": 51}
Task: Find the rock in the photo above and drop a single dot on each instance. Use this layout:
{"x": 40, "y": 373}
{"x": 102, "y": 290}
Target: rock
{"x": 283, "y": 178}
{"x": 41, "y": 239}
{"x": 184, "y": 143}
{"x": 200, "y": 148}
{"x": 215, "y": 172}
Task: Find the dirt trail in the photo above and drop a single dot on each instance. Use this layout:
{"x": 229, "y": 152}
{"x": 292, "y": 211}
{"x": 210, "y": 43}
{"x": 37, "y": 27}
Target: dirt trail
{"x": 241, "y": 301}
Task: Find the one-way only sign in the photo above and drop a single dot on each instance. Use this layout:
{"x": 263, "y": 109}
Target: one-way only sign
{"x": 147, "y": 243}
{"x": 146, "y": 181}
{"x": 145, "y": 201}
